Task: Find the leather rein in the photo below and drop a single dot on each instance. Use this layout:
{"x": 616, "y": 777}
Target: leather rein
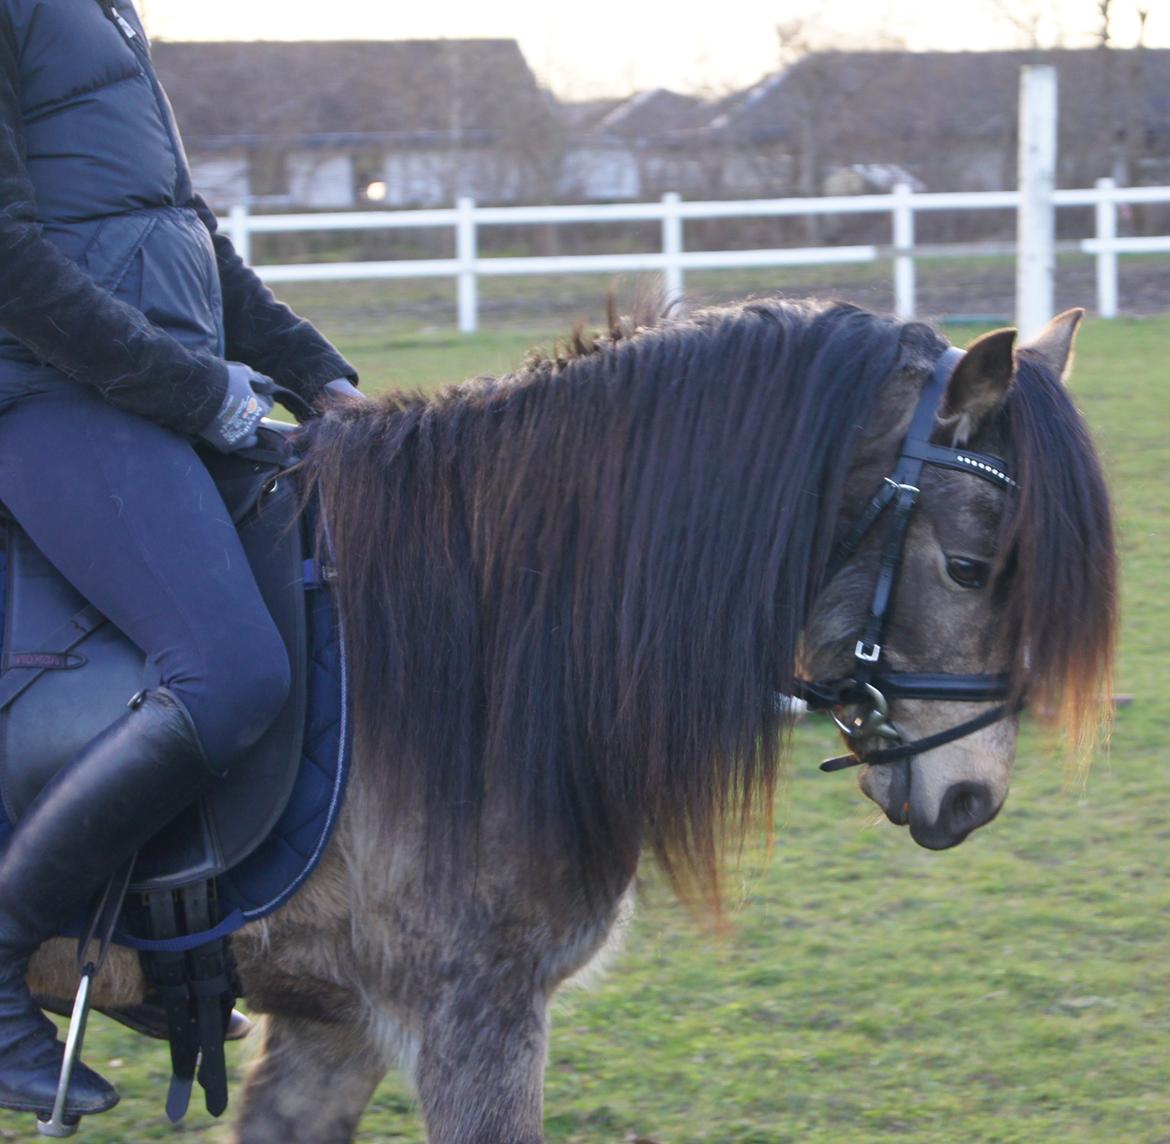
{"x": 860, "y": 703}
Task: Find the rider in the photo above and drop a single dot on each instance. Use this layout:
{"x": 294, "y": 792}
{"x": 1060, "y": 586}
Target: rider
{"x": 129, "y": 328}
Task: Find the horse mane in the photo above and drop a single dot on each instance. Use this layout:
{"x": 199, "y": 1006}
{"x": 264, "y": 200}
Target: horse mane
{"x": 1062, "y": 597}
{"x": 579, "y": 586}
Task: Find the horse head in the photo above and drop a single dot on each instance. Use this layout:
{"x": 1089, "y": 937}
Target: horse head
{"x": 1001, "y": 583}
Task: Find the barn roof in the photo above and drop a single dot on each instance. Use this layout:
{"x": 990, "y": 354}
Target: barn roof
{"x": 325, "y": 91}
{"x": 958, "y": 95}
{"x": 652, "y": 113}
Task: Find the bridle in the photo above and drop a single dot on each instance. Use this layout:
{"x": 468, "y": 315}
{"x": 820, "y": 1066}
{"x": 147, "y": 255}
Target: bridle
{"x": 860, "y": 703}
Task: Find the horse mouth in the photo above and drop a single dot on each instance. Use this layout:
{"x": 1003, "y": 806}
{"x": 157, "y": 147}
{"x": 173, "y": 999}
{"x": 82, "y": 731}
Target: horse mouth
{"x": 888, "y": 785}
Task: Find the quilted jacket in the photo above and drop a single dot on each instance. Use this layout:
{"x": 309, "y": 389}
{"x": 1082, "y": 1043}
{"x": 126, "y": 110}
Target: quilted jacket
{"x": 112, "y": 273}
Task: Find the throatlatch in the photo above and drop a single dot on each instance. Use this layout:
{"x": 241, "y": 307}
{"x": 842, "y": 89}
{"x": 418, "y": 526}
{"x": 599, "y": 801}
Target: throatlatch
{"x": 860, "y": 703}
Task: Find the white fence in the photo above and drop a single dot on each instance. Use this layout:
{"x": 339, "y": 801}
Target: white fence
{"x": 673, "y": 260}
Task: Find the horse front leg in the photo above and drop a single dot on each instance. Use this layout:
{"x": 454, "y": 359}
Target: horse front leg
{"x": 310, "y": 1084}
{"x": 480, "y": 1067}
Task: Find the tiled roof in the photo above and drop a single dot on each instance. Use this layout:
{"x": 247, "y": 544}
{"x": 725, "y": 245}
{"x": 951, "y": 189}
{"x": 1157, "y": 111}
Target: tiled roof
{"x": 941, "y": 94}
{"x": 321, "y": 90}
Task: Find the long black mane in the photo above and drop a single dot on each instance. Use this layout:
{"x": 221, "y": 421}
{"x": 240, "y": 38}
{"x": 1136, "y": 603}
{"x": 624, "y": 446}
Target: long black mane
{"x": 585, "y": 581}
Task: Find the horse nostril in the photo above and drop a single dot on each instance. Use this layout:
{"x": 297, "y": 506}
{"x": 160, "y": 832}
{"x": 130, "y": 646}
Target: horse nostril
{"x": 964, "y": 807}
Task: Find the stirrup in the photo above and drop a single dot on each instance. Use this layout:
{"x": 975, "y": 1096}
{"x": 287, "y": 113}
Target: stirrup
{"x": 101, "y": 930}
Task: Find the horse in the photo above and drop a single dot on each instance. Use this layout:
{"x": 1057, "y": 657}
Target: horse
{"x": 572, "y": 595}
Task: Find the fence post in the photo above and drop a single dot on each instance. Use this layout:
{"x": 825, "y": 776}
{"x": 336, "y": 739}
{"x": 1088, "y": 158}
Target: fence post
{"x": 238, "y": 231}
{"x": 1106, "y": 211}
{"x": 905, "y": 287}
{"x": 465, "y": 255}
{"x": 672, "y": 247}
{"x": 1036, "y": 227}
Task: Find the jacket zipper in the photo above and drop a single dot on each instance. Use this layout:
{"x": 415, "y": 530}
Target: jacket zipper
{"x": 124, "y": 25}
{"x": 139, "y": 47}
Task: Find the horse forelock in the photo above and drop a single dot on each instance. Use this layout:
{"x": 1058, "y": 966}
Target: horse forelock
{"x": 1062, "y": 593}
{"x": 573, "y": 592}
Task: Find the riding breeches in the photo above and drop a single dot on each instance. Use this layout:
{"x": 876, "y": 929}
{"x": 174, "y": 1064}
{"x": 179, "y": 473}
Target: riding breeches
{"x": 128, "y": 514}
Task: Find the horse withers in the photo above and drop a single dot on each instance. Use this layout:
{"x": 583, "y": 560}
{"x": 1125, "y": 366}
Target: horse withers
{"x": 571, "y": 595}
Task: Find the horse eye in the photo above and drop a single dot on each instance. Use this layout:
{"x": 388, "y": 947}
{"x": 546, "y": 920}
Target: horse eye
{"x": 967, "y": 573}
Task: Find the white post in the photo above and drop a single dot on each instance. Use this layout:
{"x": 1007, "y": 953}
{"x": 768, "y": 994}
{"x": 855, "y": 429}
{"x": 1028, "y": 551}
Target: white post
{"x": 238, "y": 231}
{"x": 1036, "y": 227}
{"x": 1106, "y": 259}
{"x": 672, "y": 247}
{"x": 465, "y": 253}
{"x": 905, "y": 302}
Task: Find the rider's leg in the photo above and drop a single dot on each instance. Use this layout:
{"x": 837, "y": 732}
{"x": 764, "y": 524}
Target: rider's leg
{"x": 127, "y": 513}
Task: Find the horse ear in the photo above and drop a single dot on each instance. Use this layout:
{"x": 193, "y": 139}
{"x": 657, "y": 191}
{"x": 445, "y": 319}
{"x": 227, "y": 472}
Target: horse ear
{"x": 1054, "y": 343}
{"x": 980, "y": 382}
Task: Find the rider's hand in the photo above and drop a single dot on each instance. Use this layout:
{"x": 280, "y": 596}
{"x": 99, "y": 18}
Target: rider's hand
{"x": 247, "y": 401}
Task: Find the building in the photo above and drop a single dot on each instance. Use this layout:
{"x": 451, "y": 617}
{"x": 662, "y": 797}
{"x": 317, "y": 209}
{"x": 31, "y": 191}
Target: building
{"x": 341, "y": 124}
{"x": 333, "y": 125}
{"x": 949, "y": 119}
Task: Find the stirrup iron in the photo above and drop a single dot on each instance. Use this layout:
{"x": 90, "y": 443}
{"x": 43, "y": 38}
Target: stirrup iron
{"x": 101, "y": 930}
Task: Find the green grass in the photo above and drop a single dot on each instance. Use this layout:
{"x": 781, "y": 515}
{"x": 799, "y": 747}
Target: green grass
{"x": 1016, "y": 989}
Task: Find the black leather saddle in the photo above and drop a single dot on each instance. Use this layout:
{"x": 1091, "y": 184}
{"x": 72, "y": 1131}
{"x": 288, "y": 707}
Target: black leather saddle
{"x": 67, "y": 673}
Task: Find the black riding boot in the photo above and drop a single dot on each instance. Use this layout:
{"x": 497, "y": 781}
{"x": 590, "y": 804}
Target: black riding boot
{"x": 119, "y": 792}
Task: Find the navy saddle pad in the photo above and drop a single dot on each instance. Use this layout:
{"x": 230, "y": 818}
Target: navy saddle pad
{"x": 66, "y": 673}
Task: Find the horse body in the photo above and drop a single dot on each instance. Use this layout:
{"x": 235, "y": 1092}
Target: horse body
{"x": 457, "y": 996}
{"x": 570, "y": 597}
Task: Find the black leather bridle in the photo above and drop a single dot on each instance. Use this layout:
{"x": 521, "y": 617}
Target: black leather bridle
{"x": 860, "y": 703}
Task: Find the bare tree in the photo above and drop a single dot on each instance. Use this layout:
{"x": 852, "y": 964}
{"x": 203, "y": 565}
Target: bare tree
{"x": 815, "y": 102}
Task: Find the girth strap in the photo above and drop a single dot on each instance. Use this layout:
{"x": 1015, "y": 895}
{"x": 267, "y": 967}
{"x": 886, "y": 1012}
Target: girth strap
{"x": 198, "y": 988}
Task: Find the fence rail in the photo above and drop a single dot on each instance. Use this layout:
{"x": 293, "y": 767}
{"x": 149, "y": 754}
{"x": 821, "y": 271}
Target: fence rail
{"x": 674, "y": 260}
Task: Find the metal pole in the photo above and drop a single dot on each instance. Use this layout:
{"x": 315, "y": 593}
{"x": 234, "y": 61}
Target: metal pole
{"x": 465, "y": 253}
{"x": 905, "y": 286}
{"x": 1106, "y": 259}
{"x": 672, "y": 247}
{"x": 1036, "y": 229}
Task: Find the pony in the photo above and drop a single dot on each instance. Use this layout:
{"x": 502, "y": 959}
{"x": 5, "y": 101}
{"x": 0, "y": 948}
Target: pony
{"x": 571, "y": 595}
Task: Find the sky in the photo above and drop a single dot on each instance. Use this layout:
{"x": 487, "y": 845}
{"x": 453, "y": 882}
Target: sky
{"x": 588, "y": 48}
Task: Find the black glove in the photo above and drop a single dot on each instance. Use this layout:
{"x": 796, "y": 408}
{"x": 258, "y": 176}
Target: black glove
{"x": 247, "y": 402}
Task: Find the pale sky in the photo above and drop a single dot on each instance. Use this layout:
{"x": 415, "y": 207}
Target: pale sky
{"x": 583, "y": 48}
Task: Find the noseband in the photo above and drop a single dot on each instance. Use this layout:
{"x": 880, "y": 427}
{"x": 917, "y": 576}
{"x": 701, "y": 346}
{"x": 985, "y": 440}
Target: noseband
{"x": 860, "y": 703}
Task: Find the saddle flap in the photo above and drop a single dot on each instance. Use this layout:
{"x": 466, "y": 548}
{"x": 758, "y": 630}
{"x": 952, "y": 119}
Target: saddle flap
{"x": 44, "y": 723}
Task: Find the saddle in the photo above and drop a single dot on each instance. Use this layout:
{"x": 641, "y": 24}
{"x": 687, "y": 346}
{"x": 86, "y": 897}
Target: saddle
{"x": 66, "y": 673}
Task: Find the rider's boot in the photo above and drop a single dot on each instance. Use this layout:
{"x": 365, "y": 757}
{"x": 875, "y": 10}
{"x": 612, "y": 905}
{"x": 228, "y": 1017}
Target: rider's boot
{"x": 119, "y": 792}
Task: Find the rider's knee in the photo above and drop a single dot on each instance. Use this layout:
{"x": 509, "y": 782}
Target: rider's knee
{"x": 240, "y": 692}
{"x": 259, "y": 689}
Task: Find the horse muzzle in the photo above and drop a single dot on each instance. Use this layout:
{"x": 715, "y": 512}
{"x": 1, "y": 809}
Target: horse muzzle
{"x": 964, "y": 807}
{"x": 939, "y": 814}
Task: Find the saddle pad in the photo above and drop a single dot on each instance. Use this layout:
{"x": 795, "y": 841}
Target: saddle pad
{"x": 268, "y": 877}
{"x": 273, "y": 872}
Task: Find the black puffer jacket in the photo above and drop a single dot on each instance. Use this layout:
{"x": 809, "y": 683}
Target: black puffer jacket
{"x": 111, "y": 270}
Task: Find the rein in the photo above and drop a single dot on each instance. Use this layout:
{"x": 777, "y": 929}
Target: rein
{"x": 860, "y": 703}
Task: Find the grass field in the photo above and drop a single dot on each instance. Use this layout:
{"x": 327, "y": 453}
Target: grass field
{"x": 1016, "y": 989}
